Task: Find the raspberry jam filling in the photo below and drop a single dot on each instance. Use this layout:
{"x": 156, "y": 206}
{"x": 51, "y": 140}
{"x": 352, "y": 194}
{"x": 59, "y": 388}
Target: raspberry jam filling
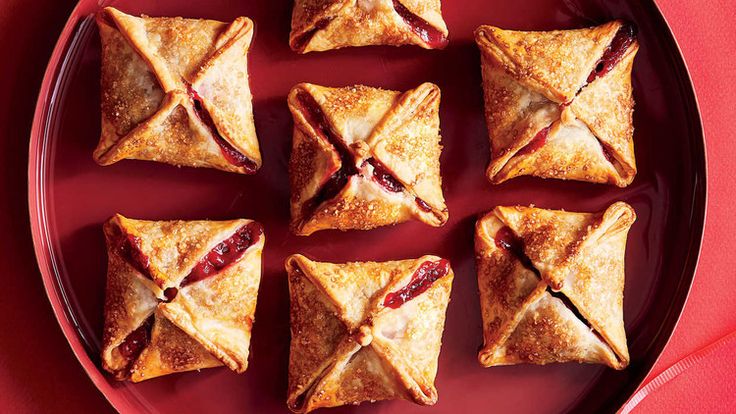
{"x": 232, "y": 155}
{"x": 427, "y": 273}
{"x": 428, "y": 33}
{"x": 225, "y": 253}
{"x": 301, "y": 41}
{"x": 129, "y": 248}
{"x": 330, "y": 188}
{"x": 170, "y": 293}
{"x": 615, "y": 51}
{"x": 391, "y": 184}
{"x": 383, "y": 177}
{"x": 537, "y": 142}
{"x": 133, "y": 344}
{"x": 506, "y": 239}
{"x": 422, "y": 204}
{"x": 318, "y": 120}
{"x": 607, "y": 152}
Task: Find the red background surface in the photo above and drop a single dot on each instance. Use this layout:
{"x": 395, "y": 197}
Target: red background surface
{"x": 38, "y": 372}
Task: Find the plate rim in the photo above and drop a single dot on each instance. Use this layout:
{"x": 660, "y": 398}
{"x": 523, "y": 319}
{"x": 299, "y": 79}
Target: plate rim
{"x": 700, "y": 208}
{"x": 54, "y": 292}
{"x": 119, "y": 396}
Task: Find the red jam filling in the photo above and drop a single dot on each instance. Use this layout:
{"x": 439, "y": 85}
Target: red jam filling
{"x": 387, "y": 181}
{"x": 537, "y": 142}
{"x": 421, "y": 280}
{"x": 133, "y": 344}
{"x": 299, "y": 401}
{"x": 330, "y": 188}
{"x": 506, "y": 239}
{"x": 170, "y": 293}
{"x": 607, "y": 153}
{"x": 318, "y": 120}
{"x": 232, "y": 155}
{"x": 225, "y": 253}
{"x": 615, "y": 51}
{"x": 422, "y": 204}
{"x": 128, "y": 246}
{"x": 428, "y": 33}
{"x": 301, "y": 41}
{"x": 383, "y": 177}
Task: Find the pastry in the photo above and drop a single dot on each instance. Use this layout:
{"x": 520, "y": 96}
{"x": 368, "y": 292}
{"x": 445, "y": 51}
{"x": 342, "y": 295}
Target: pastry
{"x": 180, "y": 296}
{"x": 364, "y": 157}
{"x": 365, "y": 331}
{"x": 176, "y": 91}
{"x": 318, "y": 25}
{"x": 559, "y": 104}
{"x": 551, "y": 285}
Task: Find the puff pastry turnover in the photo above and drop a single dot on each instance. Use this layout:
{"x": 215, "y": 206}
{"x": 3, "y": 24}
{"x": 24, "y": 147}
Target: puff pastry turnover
{"x": 181, "y": 295}
{"x": 365, "y": 331}
{"x": 551, "y": 285}
{"x": 176, "y": 90}
{"x": 364, "y": 157}
{"x": 559, "y": 104}
{"x": 318, "y": 25}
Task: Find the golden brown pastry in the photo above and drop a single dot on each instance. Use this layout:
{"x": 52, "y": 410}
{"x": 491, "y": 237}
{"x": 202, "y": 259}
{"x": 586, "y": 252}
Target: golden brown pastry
{"x": 364, "y": 157}
{"x": 551, "y": 285}
{"x": 176, "y": 91}
{"x": 318, "y": 25}
{"x": 365, "y": 331}
{"x": 181, "y": 295}
{"x": 559, "y": 104}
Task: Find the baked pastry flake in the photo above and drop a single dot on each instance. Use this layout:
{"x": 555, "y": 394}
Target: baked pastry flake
{"x": 559, "y": 104}
{"x": 180, "y": 295}
{"x": 176, "y": 91}
{"x": 318, "y": 25}
{"x": 551, "y": 285}
{"x": 365, "y": 331}
{"x": 364, "y": 157}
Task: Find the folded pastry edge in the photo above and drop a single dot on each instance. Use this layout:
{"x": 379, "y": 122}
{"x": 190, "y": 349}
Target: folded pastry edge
{"x": 423, "y": 394}
{"x": 138, "y": 368}
{"x": 618, "y": 214}
{"x": 182, "y": 320}
{"x": 482, "y": 241}
{"x": 300, "y": 40}
{"x": 616, "y": 218}
{"x": 123, "y": 23}
{"x": 496, "y": 171}
{"x": 240, "y": 30}
{"x": 304, "y": 225}
{"x": 625, "y": 166}
{"x": 491, "y": 46}
{"x": 415, "y": 101}
{"x": 299, "y": 400}
{"x": 492, "y": 53}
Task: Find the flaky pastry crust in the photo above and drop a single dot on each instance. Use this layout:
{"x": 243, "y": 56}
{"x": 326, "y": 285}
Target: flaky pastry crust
{"x": 365, "y": 331}
{"x": 551, "y": 285}
{"x": 559, "y": 104}
{"x": 180, "y": 295}
{"x": 318, "y": 25}
{"x": 364, "y": 157}
{"x": 176, "y": 91}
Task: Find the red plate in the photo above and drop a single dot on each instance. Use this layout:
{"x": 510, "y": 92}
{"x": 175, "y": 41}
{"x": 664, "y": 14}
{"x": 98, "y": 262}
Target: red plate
{"x": 70, "y": 197}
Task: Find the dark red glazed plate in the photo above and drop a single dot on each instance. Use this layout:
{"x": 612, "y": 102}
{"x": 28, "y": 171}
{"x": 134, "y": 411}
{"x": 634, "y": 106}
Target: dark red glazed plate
{"x": 70, "y": 197}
